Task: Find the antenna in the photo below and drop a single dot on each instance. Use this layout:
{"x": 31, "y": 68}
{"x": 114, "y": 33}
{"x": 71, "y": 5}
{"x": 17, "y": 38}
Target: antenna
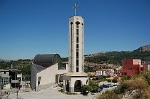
{"x": 75, "y": 9}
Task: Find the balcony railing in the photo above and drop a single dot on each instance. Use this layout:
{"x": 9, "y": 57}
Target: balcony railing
{"x": 15, "y": 81}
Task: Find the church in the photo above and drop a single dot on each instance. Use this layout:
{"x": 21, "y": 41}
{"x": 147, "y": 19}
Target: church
{"x": 44, "y": 69}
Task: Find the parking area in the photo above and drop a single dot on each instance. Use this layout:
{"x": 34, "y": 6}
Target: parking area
{"x": 104, "y": 86}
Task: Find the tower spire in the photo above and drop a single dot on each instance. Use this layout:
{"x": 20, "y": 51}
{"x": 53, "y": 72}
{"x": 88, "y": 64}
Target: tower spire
{"x": 75, "y": 9}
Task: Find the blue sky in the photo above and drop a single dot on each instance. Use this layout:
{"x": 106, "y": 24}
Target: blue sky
{"x": 30, "y": 27}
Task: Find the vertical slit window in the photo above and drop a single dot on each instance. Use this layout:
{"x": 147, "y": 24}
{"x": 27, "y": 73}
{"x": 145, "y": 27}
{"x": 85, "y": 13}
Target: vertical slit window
{"x": 77, "y": 46}
{"x": 77, "y": 54}
{"x": 77, "y": 69}
{"x": 77, "y": 62}
{"x": 77, "y": 39}
{"x": 77, "y": 65}
{"x": 77, "y": 32}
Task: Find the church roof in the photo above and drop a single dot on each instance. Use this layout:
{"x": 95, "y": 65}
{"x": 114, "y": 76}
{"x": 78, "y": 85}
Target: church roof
{"x": 38, "y": 68}
{"x": 46, "y": 59}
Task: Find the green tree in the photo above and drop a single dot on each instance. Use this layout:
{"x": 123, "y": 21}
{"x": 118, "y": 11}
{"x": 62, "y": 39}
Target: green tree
{"x": 94, "y": 86}
{"x": 114, "y": 80}
{"x": 85, "y": 89}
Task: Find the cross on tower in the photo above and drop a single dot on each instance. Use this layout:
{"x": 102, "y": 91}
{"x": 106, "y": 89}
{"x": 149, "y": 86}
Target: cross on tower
{"x": 75, "y": 9}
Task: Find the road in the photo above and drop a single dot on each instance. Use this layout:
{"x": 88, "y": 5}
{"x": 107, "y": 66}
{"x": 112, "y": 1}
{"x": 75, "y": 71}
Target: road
{"x": 49, "y": 93}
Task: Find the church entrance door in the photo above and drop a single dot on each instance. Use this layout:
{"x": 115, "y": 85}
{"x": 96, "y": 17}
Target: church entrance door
{"x": 77, "y": 86}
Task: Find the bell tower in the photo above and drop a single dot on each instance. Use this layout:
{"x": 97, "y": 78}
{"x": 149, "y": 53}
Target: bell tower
{"x": 76, "y": 44}
{"x": 75, "y": 78}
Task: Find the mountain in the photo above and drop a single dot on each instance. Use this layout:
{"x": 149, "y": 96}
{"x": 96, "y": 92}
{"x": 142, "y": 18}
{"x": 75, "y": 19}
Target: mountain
{"x": 1, "y": 60}
{"x": 144, "y": 48}
{"x": 116, "y": 57}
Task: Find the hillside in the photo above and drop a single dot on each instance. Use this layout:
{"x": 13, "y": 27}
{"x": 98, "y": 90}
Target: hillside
{"x": 144, "y": 48}
{"x": 23, "y": 65}
{"x": 116, "y": 57}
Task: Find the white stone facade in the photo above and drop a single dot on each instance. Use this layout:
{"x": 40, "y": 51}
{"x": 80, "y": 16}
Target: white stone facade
{"x": 75, "y": 78}
{"x": 76, "y": 44}
{"x": 45, "y": 78}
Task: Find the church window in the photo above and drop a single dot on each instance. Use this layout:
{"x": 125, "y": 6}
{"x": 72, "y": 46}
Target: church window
{"x": 39, "y": 80}
{"x": 77, "y": 24}
{"x": 77, "y": 54}
{"x": 77, "y": 46}
{"x": 77, "y": 32}
{"x": 77, "y": 39}
{"x": 77, "y": 69}
{"x": 77, "y": 62}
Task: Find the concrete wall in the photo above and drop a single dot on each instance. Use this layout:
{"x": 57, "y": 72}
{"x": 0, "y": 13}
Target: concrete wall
{"x": 73, "y": 43}
{"x": 6, "y": 74}
{"x": 84, "y": 81}
{"x": 63, "y": 70}
{"x": 136, "y": 61}
{"x": 33, "y": 77}
{"x": 148, "y": 67}
{"x": 46, "y": 77}
{"x": 131, "y": 67}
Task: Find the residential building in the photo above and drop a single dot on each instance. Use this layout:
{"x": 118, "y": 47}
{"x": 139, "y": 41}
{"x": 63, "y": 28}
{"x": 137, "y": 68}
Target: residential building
{"x": 147, "y": 66}
{"x": 131, "y": 67}
{"x": 105, "y": 72}
{"x": 10, "y": 78}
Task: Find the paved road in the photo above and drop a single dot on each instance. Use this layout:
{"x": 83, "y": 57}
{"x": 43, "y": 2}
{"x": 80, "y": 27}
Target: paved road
{"x": 50, "y": 93}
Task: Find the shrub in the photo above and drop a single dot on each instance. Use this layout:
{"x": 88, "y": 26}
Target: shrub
{"x": 85, "y": 89}
{"x": 120, "y": 89}
{"x": 114, "y": 80}
{"x": 126, "y": 78}
{"x": 136, "y": 83}
{"x": 108, "y": 80}
{"x": 135, "y": 88}
{"x": 146, "y": 76}
{"x": 108, "y": 95}
{"x": 60, "y": 85}
{"x": 94, "y": 86}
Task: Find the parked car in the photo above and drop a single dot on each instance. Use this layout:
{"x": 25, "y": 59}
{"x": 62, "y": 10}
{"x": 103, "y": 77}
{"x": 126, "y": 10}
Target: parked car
{"x": 110, "y": 85}
{"x": 105, "y": 86}
{"x": 101, "y": 86}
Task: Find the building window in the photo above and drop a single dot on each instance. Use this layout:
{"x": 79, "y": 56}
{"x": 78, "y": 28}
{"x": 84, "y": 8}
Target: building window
{"x": 129, "y": 68}
{"x": 77, "y": 39}
{"x": 77, "y": 46}
{"x": 77, "y": 54}
{"x": 39, "y": 80}
{"x": 77, "y": 69}
{"x": 77, "y": 32}
{"x": 77, "y": 62}
{"x": 77, "y": 24}
{"x": 19, "y": 78}
{"x": 1, "y": 81}
{"x": 5, "y": 80}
